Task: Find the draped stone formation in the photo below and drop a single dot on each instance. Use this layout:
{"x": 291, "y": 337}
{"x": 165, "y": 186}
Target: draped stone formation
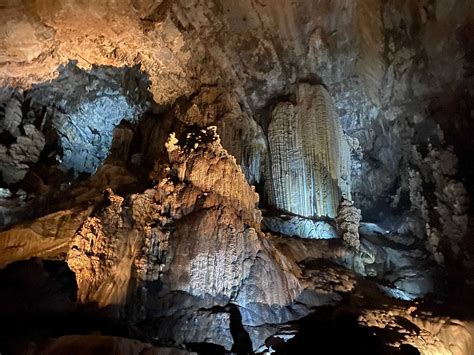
{"x": 309, "y": 155}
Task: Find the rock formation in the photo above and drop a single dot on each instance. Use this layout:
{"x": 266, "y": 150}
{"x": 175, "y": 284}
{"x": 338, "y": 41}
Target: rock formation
{"x": 301, "y": 227}
{"x": 196, "y": 233}
{"x": 309, "y": 168}
{"x": 171, "y": 175}
{"x": 23, "y": 143}
{"x": 195, "y": 238}
{"x": 347, "y": 219}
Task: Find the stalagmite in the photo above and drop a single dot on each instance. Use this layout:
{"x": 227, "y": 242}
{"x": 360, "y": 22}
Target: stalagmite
{"x": 347, "y": 220}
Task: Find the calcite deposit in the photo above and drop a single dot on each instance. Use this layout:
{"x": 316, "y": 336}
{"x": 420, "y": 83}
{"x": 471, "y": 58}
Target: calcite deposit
{"x": 212, "y": 176}
{"x": 309, "y": 164}
{"x": 347, "y": 220}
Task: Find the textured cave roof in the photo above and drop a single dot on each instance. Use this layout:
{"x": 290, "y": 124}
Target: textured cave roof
{"x": 257, "y": 48}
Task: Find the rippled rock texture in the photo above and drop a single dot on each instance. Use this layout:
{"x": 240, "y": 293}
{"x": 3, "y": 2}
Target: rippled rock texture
{"x": 349, "y": 121}
{"x": 310, "y": 167}
{"x": 396, "y": 71}
{"x": 194, "y": 239}
{"x": 186, "y": 262}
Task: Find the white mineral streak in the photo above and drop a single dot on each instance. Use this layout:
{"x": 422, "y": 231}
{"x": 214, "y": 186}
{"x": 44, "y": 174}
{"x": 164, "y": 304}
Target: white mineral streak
{"x": 309, "y": 155}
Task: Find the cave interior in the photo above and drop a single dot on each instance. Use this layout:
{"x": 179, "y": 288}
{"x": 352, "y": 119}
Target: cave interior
{"x": 247, "y": 177}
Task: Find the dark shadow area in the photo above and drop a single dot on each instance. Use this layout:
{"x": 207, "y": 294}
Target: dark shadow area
{"x": 207, "y": 348}
{"x": 38, "y": 302}
{"x": 453, "y": 111}
{"x": 36, "y": 286}
{"x": 330, "y": 330}
{"x": 242, "y": 343}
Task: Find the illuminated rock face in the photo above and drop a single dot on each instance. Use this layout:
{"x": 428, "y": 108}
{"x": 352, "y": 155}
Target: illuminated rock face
{"x": 86, "y": 135}
{"x": 189, "y": 249}
{"x": 241, "y": 136}
{"x": 198, "y": 234}
{"x": 301, "y": 227}
{"x": 309, "y": 155}
{"x": 347, "y": 220}
{"x": 83, "y": 108}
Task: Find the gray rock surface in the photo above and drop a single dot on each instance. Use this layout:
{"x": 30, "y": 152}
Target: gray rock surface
{"x": 394, "y": 70}
{"x": 26, "y": 142}
{"x": 83, "y": 108}
{"x": 300, "y": 227}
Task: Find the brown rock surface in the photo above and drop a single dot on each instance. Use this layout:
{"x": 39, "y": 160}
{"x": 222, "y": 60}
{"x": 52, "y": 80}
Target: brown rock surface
{"x": 347, "y": 220}
{"x": 45, "y": 237}
{"x": 428, "y": 333}
{"x": 390, "y": 68}
{"x": 198, "y": 234}
{"x": 175, "y": 259}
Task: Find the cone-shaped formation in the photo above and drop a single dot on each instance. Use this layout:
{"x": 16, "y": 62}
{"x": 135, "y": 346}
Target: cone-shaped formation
{"x": 309, "y": 155}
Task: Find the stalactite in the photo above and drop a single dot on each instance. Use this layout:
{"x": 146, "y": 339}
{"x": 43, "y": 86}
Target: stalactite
{"x": 309, "y": 155}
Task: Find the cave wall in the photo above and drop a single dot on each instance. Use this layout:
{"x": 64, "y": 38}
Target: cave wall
{"x": 389, "y": 67}
{"x": 378, "y": 93}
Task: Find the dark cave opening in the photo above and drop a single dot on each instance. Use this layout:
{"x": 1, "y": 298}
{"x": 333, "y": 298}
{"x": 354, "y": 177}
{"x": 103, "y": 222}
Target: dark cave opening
{"x": 321, "y": 333}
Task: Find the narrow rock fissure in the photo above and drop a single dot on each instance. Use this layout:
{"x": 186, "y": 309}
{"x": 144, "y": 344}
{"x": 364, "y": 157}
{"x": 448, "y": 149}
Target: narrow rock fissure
{"x": 242, "y": 343}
